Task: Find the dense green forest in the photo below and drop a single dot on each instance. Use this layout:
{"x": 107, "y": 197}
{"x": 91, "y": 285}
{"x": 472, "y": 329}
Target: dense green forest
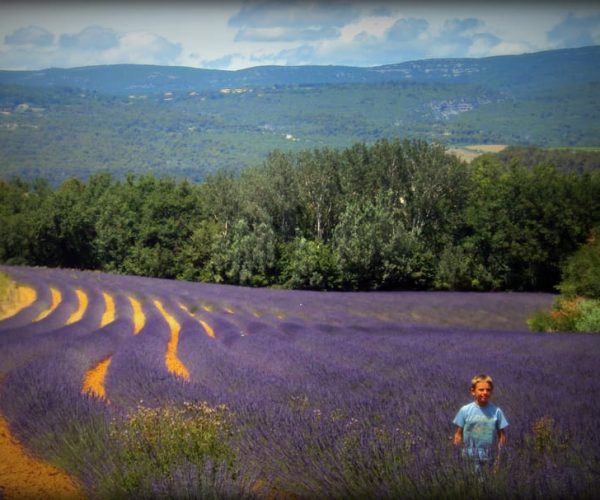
{"x": 390, "y": 215}
{"x": 62, "y": 133}
{"x": 577, "y": 160}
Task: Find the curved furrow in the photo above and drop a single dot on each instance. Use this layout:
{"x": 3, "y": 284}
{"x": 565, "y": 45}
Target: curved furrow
{"x": 225, "y": 326}
{"x": 230, "y": 377}
{"x": 172, "y": 361}
{"x": 93, "y": 382}
{"x": 64, "y": 303}
{"x": 52, "y": 312}
{"x": 26, "y": 315}
{"x": 207, "y": 328}
{"x": 55, "y": 302}
{"x": 22, "y": 296}
{"x": 138, "y": 370}
{"x": 109, "y": 310}
{"x": 82, "y": 304}
{"x": 231, "y": 328}
{"x": 116, "y": 321}
{"x": 84, "y": 308}
{"x": 138, "y": 316}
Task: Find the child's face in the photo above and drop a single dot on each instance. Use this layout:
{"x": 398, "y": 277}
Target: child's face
{"x": 482, "y": 392}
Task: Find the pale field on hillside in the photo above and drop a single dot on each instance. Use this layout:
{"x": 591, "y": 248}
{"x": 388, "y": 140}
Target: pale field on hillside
{"x": 469, "y": 153}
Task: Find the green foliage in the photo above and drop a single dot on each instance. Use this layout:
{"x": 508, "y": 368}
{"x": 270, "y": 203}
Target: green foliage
{"x": 59, "y": 132}
{"x": 540, "y": 321}
{"x": 197, "y": 251}
{"x": 581, "y": 271}
{"x": 318, "y": 174}
{"x": 245, "y": 255}
{"x": 568, "y": 160}
{"x": 396, "y": 214}
{"x": 588, "y": 319}
{"x": 524, "y": 222}
{"x": 578, "y": 307}
{"x": 309, "y": 264}
{"x": 155, "y": 444}
{"x": 270, "y": 194}
{"x": 458, "y": 269}
{"x": 373, "y": 247}
{"x": 568, "y": 315}
{"x": 7, "y": 291}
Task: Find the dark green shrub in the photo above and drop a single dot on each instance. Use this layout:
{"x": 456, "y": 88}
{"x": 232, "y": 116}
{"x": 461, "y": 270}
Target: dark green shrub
{"x": 309, "y": 264}
{"x": 581, "y": 271}
{"x": 588, "y": 319}
{"x": 568, "y": 315}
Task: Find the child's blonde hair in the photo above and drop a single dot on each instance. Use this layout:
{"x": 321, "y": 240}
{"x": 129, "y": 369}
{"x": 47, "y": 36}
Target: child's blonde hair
{"x": 481, "y": 378}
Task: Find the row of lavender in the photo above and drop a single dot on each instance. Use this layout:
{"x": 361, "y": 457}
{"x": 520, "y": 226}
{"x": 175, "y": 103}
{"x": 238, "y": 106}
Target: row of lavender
{"x": 343, "y": 395}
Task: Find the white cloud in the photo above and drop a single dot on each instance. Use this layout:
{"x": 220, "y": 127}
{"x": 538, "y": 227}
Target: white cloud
{"x": 30, "y": 35}
{"x": 372, "y": 26}
{"x": 90, "y": 38}
{"x": 407, "y": 30}
{"x": 92, "y": 45}
{"x": 482, "y": 44}
{"x": 574, "y": 31}
{"x": 145, "y": 48}
{"x": 456, "y": 27}
{"x": 229, "y": 35}
{"x": 285, "y": 34}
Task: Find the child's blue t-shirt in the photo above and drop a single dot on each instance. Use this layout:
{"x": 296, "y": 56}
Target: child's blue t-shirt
{"x": 480, "y": 426}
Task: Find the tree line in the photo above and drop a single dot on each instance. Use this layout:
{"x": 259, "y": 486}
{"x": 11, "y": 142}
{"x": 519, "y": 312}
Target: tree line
{"x": 398, "y": 214}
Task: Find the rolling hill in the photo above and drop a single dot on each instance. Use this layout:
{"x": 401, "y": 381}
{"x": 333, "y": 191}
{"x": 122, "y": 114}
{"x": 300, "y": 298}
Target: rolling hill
{"x": 189, "y": 122}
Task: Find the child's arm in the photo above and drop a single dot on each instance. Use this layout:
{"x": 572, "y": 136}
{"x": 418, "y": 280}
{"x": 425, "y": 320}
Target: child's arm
{"x": 458, "y": 436}
{"x": 501, "y": 438}
{"x": 501, "y": 443}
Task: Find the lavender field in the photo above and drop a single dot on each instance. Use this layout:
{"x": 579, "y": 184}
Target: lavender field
{"x": 154, "y": 388}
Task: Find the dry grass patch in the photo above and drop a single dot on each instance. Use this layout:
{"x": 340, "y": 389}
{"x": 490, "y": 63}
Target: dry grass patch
{"x": 469, "y": 153}
{"x": 14, "y": 297}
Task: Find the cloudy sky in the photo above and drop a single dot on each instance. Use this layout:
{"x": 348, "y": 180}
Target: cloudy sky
{"x": 232, "y": 35}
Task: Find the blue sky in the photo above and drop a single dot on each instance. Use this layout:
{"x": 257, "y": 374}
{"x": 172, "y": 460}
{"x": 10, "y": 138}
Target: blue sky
{"x": 234, "y": 35}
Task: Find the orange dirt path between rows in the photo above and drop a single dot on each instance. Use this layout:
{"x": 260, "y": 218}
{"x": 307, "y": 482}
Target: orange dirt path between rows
{"x": 56, "y": 300}
{"x": 83, "y": 303}
{"x": 109, "y": 310}
{"x": 139, "y": 318}
{"x": 207, "y": 328}
{"x": 23, "y": 477}
{"x": 174, "y": 364}
{"x": 93, "y": 382}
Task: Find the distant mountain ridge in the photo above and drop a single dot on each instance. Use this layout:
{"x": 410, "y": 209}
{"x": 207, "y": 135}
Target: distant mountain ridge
{"x": 514, "y": 73}
{"x": 188, "y": 122}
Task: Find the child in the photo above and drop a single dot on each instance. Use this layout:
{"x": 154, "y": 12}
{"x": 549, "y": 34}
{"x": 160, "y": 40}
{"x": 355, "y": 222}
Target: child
{"x": 480, "y": 425}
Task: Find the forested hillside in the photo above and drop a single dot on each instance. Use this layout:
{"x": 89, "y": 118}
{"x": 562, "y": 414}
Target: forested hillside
{"x": 567, "y": 160}
{"x": 188, "y": 123}
{"x": 393, "y": 215}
